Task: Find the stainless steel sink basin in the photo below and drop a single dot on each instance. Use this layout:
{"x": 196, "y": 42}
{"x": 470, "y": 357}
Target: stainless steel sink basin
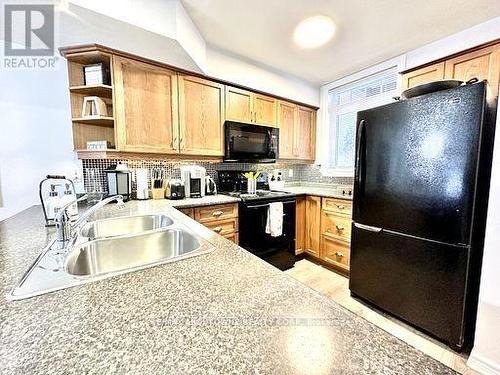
{"x": 119, "y": 226}
{"x": 108, "y": 255}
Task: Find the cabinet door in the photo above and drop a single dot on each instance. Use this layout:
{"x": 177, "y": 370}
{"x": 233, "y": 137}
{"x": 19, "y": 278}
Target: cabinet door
{"x": 238, "y": 104}
{"x": 300, "y": 224}
{"x": 423, "y": 75}
{"x": 264, "y": 110}
{"x": 201, "y": 116}
{"x": 305, "y": 133}
{"x": 287, "y": 116}
{"x": 481, "y": 64}
{"x": 145, "y": 107}
{"x": 313, "y": 225}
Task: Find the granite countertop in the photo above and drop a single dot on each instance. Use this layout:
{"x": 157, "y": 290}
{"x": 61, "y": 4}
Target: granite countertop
{"x": 222, "y": 312}
{"x": 323, "y": 190}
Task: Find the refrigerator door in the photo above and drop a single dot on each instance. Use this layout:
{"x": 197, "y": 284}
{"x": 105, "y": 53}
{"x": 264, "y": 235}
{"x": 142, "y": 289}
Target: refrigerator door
{"x": 416, "y": 164}
{"x": 422, "y": 282}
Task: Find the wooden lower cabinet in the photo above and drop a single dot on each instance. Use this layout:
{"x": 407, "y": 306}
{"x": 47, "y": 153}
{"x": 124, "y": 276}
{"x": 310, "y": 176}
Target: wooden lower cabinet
{"x": 323, "y": 230}
{"x": 221, "y": 218}
{"x": 312, "y": 226}
{"x": 335, "y": 252}
{"x": 300, "y": 225}
{"x": 187, "y": 211}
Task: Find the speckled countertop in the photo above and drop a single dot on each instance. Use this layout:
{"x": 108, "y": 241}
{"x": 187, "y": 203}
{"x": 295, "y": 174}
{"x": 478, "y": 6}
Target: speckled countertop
{"x": 223, "y": 312}
{"x": 320, "y": 190}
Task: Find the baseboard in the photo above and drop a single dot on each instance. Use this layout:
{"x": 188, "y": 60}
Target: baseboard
{"x": 483, "y": 365}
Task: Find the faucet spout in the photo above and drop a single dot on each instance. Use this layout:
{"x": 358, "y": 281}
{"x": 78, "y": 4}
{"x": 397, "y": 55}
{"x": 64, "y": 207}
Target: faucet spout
{"x": 65, "y": 230}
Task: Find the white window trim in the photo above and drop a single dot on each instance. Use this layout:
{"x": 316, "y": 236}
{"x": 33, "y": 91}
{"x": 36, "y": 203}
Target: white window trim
{"x": 323, "y": 144}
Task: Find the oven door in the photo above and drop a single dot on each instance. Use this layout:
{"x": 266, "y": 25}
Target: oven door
{"x": 279, "y": 251}
{"x": 250, "y": 143}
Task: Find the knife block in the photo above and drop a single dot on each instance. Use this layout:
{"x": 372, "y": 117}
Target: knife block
{"x": 158, "y": 193}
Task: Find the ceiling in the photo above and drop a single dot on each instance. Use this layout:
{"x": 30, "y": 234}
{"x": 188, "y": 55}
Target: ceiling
{"x": 367, "y": 32}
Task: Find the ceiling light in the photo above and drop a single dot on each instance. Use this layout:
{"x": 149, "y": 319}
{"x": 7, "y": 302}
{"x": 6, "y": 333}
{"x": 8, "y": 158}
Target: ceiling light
{"x": 314, "y": 31}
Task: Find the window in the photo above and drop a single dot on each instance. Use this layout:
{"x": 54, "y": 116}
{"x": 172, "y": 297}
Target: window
{"x": 344, "y": 103}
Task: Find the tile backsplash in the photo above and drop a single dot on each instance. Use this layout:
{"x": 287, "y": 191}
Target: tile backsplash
{"x": 95, "y": 178}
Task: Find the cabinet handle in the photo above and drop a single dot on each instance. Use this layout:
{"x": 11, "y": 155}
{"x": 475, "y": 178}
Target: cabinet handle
{"x": 217, "y": 229}
{"x": 217, "y": 213}
{"x": 340, "y": 228}
{"x": 339, "y": 254}
{"x": 340, "y": 206}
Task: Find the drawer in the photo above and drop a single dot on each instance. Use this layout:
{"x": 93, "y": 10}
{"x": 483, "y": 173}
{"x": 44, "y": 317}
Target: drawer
{"x": 340, "y": 206}
{"x": 214, "y": 213}
{"x": 335, "y": 225}
{"x": 335, "y": 252}
{"x": 187, "y": 211}
{"x": 232, "y": 237}
{"x": 223, "y": 227}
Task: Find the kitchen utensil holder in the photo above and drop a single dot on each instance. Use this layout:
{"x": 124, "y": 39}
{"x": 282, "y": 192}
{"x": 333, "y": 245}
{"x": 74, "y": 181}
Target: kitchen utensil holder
{"x": 158, "y": 193}
{"x": 251, "y": 185}
{"x": 41, "y": 187}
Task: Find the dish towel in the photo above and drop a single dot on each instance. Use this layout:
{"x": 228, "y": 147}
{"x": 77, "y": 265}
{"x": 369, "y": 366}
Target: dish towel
{"x": 274, "y": 224}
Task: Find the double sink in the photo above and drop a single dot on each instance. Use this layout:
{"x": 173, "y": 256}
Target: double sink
{"x": 108, "y": 247}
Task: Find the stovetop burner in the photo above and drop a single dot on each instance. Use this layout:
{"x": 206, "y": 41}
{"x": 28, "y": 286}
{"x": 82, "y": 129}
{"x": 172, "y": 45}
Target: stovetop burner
{"x": 260, "y": 194}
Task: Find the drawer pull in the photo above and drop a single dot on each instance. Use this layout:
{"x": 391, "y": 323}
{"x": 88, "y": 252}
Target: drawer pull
{"x": 217, "y": 213}
{"x": 217, "y": 229}
{"x": 339, "y": 254}
{"x": 340, "y": 206}
{"x": 340, "y": 228}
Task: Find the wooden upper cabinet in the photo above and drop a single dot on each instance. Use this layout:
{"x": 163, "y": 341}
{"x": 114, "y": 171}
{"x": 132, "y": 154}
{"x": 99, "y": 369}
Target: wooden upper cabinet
{"x": 305, "y": 133}
{"x": 426, "y": 74}
{"x": 287, "y": 118}
{"x": 247, "y": 106}
{"x": 238, "y": 105}
{"x": 145, "y": 105}
{"x": 264, "y": 108}
{"x": 481, "y": 64}
{"x": 201, "y": 116}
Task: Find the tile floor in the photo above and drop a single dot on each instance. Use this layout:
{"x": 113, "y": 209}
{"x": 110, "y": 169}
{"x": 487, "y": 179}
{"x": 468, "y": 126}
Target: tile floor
{"x": 336, "y": 287}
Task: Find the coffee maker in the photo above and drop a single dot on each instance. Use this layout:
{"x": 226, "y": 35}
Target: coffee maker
{"x": 193, "y": 178}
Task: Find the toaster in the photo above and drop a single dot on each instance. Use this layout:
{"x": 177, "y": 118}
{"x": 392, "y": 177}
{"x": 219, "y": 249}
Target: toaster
{"x": 175, "y": 190}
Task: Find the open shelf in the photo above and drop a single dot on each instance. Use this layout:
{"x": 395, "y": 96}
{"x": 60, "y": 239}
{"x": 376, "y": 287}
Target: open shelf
{"x": 103, "y": 91}
{"x": 99, "y": 121}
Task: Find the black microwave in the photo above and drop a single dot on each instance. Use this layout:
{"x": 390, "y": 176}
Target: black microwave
{"x": 250, "y": 143}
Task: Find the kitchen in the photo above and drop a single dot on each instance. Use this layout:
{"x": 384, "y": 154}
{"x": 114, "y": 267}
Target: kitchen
{"x": 316, "y": 202}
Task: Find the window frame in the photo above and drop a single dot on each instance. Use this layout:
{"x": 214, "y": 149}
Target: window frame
{"x": 327, "y": 108}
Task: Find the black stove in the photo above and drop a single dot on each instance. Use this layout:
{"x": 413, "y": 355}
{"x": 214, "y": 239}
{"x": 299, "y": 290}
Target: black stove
{"x": 253, "y": 211}
{"x": 269, "y": 195}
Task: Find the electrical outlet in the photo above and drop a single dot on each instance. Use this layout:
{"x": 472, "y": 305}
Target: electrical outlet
{"x": 290, "y": 173}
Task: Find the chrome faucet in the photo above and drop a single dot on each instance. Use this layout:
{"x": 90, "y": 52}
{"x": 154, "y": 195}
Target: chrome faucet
{"x": 65, "y": 229}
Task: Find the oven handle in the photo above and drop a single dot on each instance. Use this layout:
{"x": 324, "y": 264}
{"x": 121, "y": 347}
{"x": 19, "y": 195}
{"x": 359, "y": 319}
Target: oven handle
{"x": 267, "y": 204}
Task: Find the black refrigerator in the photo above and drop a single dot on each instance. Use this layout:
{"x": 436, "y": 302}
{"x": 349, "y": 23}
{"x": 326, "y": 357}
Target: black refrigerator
{"x": 420, "y": 195}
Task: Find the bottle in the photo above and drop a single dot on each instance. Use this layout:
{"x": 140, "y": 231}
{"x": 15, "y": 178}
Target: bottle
{"x": 68, "y": 198}
{"x": 52, "y": 203}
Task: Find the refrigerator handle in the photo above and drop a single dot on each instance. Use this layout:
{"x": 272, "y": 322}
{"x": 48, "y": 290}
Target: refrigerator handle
{"x": 359, "y": 159}
{"x": 368, "y": 228}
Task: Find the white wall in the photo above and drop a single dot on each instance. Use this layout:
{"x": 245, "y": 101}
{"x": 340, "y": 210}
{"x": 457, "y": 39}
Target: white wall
{"x": 35, "y": 134}
{"x": 223, "y": 65}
